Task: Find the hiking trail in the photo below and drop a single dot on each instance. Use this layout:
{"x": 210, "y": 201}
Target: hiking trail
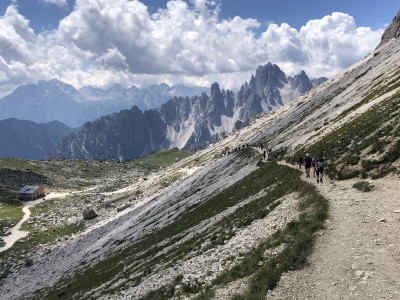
{"x": 358, "y": 253}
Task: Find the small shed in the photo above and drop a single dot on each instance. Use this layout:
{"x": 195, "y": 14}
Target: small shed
{"x": 31, "y": 192}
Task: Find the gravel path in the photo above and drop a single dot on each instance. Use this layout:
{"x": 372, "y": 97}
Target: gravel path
{"x": 16, "y": 233}
{"x": 358, "y": 255}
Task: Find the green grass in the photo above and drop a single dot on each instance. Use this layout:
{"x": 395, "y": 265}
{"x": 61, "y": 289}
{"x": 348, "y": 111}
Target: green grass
{"x": 161, "y": 159}
{"x": 137, "y": 260}
{"x": 382, "y": 166}
{"x": 344, "y": 145}
{"x": 75, "y": 174}
{"x": 12, "y": 214}
{"x": 7, "y": 196}
{"x": 377, "y": 91}
{"x": 40, "y": 237}
{"x": 148, "y": 247}
{"x": 16, "y": 164}
{"x": 363, "y": 186}
{"x": 298, "y": 238}
{"x": 170, "y": 179}
{"x": 10, "y": 210}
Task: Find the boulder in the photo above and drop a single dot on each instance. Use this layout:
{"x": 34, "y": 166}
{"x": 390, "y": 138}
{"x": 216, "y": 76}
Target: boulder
{"x": 121, "y": 208}
{"x": 28, "y": 263}
{"x": 89, "y": 214}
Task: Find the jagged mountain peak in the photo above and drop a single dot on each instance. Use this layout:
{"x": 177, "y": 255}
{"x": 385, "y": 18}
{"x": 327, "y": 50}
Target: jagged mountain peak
{"x": 301, "y": 82}
{"x": 185, "y": 122}
{"x": 392, "y": 31}
{"x": 55, "y": 84}
{"x": 162, "y": 87}
{"x": 52, "y": 82}
{"x": 215, "y": 88}
{"x": 116, "y": 86}
{"x": 270, "y": 74}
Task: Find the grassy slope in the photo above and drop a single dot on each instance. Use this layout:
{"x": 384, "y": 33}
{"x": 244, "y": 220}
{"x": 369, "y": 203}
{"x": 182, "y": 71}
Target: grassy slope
{"x": 125, "y": 266}
{"x": 161, "y": 159}
{"x": 61, "y": 174}
{"x": 375, "y": 132}
{"x": 79, "y": 173}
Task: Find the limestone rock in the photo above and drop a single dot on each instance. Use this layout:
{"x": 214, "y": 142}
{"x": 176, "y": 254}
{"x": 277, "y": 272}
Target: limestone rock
{"x": 392, "y": 31}
{"x": 89, "y": 214}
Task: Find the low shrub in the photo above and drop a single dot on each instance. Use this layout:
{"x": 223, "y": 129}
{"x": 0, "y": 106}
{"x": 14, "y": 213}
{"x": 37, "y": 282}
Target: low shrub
{"x": 363, "y": 186}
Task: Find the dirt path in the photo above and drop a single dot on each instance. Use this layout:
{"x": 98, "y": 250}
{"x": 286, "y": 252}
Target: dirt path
{"x": 358, "y": 255}
{"x": 16, "y": 233}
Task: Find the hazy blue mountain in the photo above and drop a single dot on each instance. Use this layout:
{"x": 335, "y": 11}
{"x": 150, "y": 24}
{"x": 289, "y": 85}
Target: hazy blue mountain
{"x": 55, "y": 100}
{"x": 28, "y": 140}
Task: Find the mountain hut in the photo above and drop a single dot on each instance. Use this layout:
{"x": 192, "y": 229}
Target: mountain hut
{"x": 31, "y": 192}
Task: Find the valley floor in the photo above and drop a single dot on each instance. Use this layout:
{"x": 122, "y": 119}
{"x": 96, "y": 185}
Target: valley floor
{"x": 358, "y": 254}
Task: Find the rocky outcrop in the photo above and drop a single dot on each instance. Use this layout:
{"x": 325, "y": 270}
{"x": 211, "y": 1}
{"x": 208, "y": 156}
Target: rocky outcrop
{"x": 392, "y": 31}
{"x": 184, "y": 122}
{"x": 301, "y": 82}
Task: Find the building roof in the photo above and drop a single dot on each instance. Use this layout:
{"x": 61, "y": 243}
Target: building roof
{"x": 28, "y": 189}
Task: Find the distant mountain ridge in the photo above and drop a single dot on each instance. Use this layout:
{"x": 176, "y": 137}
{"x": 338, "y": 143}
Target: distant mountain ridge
{"x": 28, "y": 140}
{"x": 184, "y": 122}
{"x": 54, "y": 100}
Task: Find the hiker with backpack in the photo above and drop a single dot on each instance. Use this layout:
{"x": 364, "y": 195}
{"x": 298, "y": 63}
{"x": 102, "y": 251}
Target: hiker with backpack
{"x": 320, "y": 168}
{"x": 314, "y": 165}
{"x": 300, "y": 161}
{"x": 307, "y": 164}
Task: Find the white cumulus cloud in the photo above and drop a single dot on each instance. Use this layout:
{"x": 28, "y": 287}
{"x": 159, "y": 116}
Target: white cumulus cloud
{"x": 102, "y": 42}
{"x": 60, "y": 3}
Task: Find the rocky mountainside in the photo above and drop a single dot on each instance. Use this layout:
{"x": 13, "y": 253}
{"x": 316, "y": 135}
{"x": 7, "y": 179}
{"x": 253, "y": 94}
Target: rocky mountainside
{"x": 392, "y": 31}
{"x": 54, "y": 100}
{"x": 185, "y": 122}
{"x": 217, "y": 226}
{"x": 28, "y": 140}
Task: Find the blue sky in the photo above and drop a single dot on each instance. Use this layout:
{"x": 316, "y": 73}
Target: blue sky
{"x": 374, "y": 14}
{"x": 194, "y": 42}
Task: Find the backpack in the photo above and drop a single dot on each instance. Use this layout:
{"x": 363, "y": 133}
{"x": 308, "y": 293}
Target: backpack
{"x": 320, "y": 163}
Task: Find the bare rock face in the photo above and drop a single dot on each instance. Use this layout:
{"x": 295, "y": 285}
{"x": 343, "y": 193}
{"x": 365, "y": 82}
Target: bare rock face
{"x": 183, "y": 122}
{"x": 89, "y": 214}
{"x": 392, "y": 31}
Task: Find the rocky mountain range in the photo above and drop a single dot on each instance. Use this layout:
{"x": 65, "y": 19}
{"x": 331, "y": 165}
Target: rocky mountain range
{"x": 185, "y": 122}
{"x": 213, "y": 225}
{"x": 52, "y": 100}
{"x": 28, "y": 140}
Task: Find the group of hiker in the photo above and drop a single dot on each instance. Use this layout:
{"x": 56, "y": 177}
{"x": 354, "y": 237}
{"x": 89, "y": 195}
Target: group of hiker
{"x": 316, "y": 163}
{"x": 265, "y": 149}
